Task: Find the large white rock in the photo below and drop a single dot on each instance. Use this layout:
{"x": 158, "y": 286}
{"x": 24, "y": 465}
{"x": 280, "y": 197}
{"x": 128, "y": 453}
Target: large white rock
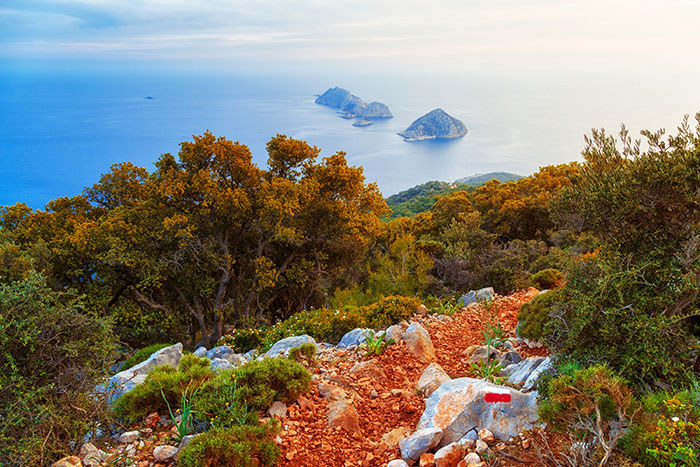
{"x": 126, "y": 380}
{"x": 459, "y": 406}
{"x": 431, "y": 379}
{"x": 282, "y": 347}
{"x": 418, "y": 342}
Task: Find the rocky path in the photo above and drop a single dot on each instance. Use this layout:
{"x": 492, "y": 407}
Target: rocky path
{"x": 382, "y": 391}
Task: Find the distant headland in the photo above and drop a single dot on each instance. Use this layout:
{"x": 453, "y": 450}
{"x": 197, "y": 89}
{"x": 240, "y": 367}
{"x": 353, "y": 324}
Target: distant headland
{"x": 350, "y": 106}
{"x": 436, "y": 124}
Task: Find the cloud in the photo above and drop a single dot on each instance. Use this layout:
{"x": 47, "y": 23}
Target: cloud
{"x": 537, "y": 32}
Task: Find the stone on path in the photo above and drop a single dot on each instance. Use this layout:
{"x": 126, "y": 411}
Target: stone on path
{"x": 418, "y": 342}
{"x": 164, "y": 453}
{"x": 420, "y": 442}
{"x": 70, "y": 461}
{"x": 431, "y": 379}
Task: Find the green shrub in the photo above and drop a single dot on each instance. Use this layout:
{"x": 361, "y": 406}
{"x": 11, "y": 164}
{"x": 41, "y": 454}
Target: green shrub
{"x": 261, "y": 382}
{"x": 53, "y": 353}
{"x": 321, "y": 324}
{"x": 546, "y": 278}
{"x": 145, "y": 398}
{"x": 533, "y": 319}
{"x": 219, "y": 403}
{"x": 390, "y": 310}
{"x": 240, "y": 446}
{"x": 304, "y": 353}
{"x": 619, "y": 313}
{"x": 593, "y": 406}
{"x": 142, "y": 355}
{"x": 242, "y": 339}
{"x": 667, "y": 429}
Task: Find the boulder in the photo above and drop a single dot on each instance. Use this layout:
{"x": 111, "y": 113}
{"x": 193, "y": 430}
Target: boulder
{"x": 431, "y": 379}
{"x": 220, "y": 364}
{"x": 449, "y": 456}
{"x": 397, "y": 463}
{"x": 282, "y": 347}
{"x": 356, "y": 337}
{"x": 420, "y": 442}
{"x": 221, "y": 351}
{"x": 537, "y": 373}
{"x": 521, "y": 373}
{"x": 70, "y": 461}
{"x": 460, "y": 405}
{"x": 164, "y": 453}
{"x": 126, "y": 380}
{"x": 418, "y": 342}
{"x": 201, "y": 352}
{"x": 486, "y": 293}
{"x": 467, "y": 299}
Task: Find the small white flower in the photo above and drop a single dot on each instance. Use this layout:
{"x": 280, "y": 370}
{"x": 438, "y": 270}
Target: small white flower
{"x": 675, "y": 419}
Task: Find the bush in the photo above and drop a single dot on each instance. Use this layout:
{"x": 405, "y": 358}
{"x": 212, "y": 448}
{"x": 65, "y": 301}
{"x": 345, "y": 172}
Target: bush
{"x": 261, "y": 382}
{"x": 534, "y": 319}
{"x": 52, "y": 355}
{"x": 242, "y": 446}
{"x": 390, "y": 310}
{"x": 321, "y": 324}
{"x": 546, "y": 278}
{"x": 592, "y": 405}
{"x": 147, "y": 397}
{"x": 617, "y": 313}
{"x": 242, "y": 340}
{"x": 667, "y": 431}
{"x": 142, "y": 355}
{"x": 219, "y": 403}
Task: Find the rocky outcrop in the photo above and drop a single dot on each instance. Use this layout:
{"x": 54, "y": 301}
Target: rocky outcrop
{"x": 528, "y": 372}
{"x": 460, "y": 405}
{"x": 282, "y": 347}
{"x": 351, "y": 106}
{"x": 436, "y": 124}
{"x": 474, "y": 296}
{"x": 356, "y": 337}
{"x": 126, "y": 380}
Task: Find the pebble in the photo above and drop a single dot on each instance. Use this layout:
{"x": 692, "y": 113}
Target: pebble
{"x": 129, "y": 437}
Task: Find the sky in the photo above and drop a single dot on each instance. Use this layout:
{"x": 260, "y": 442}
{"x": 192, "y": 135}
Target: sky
{"x": 499, "y": 34}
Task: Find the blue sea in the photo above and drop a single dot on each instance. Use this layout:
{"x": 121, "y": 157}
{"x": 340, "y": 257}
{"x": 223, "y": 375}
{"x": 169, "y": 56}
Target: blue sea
{"x": 59, "y": 130}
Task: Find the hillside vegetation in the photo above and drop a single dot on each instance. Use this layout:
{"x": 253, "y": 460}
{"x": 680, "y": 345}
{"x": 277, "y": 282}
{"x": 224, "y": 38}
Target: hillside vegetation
{"x": 421, "y": 198}
{"x": 208, "y": 247}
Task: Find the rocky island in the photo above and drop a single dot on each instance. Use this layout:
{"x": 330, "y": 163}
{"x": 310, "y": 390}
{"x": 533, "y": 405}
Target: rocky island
{"x": 350, "y": 106}
{"x": 436, "y": 124}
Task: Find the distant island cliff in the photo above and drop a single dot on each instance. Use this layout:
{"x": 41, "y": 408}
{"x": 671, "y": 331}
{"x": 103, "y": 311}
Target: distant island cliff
{"x": 350, "y": 106}
{"x": 436, "y": 124}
